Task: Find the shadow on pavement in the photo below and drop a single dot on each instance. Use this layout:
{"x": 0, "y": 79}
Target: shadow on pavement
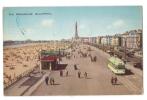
{"x": 60, "y": 67}
{"x": 88, "y": 78}
{"x": 129, "y": 72}
{"x": 56, "y": 84}
{"x": 118, "y": 84}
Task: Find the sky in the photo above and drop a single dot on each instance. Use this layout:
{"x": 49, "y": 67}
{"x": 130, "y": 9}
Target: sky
{"x": 56, "y": 23}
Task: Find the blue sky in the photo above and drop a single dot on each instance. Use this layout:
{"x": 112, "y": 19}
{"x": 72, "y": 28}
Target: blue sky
{"x": 59, "y": 22}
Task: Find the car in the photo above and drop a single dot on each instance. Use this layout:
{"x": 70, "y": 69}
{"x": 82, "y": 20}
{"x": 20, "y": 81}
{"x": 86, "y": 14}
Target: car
{"x": 138, "y": 65}
{"x": 111, "y": 53}
{"x": 121, "y": 50}
{"x": 130, "y": 54}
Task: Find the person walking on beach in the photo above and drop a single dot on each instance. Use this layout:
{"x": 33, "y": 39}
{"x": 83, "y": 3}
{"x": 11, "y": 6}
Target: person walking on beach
{"x": 46, "y": 80}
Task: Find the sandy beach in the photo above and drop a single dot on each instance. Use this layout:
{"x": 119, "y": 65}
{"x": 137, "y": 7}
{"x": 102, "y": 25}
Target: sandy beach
{"x": 19, "y": 60}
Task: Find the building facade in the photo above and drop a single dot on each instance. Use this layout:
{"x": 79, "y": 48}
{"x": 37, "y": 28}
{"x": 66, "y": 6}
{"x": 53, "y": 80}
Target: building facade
{"x": 116, "y": 41}
{"x": 84, "y": 39}
{"x": 133, "y": 39}
{"x": 92, "y": 40}
{"x": 98, "y": 40}
{"x": 139, "y": 38}
{"x": 106, "y": 40}
{"x": 103, "y": 40}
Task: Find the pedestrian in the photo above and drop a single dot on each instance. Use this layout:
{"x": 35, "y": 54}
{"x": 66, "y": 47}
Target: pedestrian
{"x": 75, "y": 67}
{"x": 60, "y": 59}
{"x": 85, "y": 74}
{"x": 79, "y": 74}
{"x": 66, "y": 73}
{"x": 51, "y": 82}
{"x": 61, "y": 73}
{"x": 95, "y": 58}
{"x": 46, "y": 80}
{"x": 112, "y": 80}
{"x": 115, "y": 80}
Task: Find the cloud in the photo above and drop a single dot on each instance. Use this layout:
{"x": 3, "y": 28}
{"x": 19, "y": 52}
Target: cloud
{"x": 47, "y": 22}
{"x": 117, "y": 24}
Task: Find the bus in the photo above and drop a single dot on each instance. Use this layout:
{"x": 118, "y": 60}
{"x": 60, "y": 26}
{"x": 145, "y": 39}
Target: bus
{"x": 116, "y": 65}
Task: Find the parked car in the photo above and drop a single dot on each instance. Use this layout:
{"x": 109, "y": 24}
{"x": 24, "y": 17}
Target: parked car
{"x": 111, "y": 53}
{"x": 130, "y": 54}
{"x": 138, "y": 65}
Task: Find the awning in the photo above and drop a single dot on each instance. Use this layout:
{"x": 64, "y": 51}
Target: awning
{"x": 49, "y": 58}
{"x": 50, "y": 53}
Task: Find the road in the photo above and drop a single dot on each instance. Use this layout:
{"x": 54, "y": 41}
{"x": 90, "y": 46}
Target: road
{"x": 98, "y": 81}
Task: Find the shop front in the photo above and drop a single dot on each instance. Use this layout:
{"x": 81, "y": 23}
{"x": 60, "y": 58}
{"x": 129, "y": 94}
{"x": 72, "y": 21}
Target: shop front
{"x": 49, "y": 60}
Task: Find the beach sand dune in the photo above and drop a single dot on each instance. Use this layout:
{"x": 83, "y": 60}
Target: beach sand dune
{"x": 20, "y": 60}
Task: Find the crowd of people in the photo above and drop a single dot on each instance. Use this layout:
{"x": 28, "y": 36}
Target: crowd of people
{"x": 80, "y": 74}
{"x": 51, "y": 80}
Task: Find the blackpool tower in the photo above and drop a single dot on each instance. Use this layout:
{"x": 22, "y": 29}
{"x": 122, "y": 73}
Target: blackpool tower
{"x": 76, "y": 31}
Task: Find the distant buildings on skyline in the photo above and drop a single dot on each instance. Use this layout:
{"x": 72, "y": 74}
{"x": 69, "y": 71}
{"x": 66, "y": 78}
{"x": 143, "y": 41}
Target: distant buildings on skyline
{"x": 133, "y": 39}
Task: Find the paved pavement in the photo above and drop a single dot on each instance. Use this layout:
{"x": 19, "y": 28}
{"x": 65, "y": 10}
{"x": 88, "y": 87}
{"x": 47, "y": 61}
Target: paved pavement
{"x": 23, "y": 85}
{"x": 98, "y": 81}
{"x": 16, "y": 89}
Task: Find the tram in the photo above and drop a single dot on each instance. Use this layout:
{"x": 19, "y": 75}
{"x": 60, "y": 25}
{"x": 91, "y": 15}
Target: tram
{"x": 116, "y": 65}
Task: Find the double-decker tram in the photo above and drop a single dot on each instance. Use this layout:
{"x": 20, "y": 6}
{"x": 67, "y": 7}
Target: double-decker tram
{"x": 116, "y": 65}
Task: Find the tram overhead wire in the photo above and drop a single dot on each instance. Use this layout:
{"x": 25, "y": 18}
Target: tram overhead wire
{"x": 21, "y": 29}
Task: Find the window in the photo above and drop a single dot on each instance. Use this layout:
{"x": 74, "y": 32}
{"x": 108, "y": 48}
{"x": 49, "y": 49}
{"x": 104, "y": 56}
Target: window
{"x": 111, "y": 64}
{"x": 120, "y": 66}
